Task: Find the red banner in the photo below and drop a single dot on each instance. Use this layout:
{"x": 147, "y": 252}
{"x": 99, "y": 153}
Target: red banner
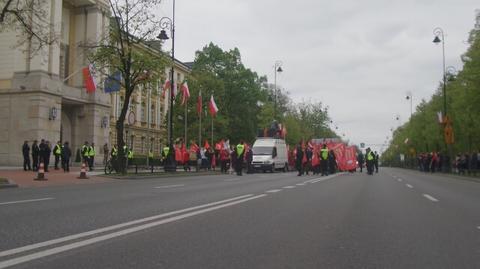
{"x": 350, "y": 158}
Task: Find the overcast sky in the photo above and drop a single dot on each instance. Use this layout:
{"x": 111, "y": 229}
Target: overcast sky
{"x": 360, "y": 58}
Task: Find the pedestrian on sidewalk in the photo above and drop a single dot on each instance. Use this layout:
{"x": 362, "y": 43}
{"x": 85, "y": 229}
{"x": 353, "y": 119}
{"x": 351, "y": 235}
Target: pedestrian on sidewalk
{"x": 35, "y": 155}
{"x": 85, "y": 156}
{"x": 26, "y": 156}
{"x": 47, "y": 152}
{"x": 66, "y": 154}
{"x": 57, "y": 152}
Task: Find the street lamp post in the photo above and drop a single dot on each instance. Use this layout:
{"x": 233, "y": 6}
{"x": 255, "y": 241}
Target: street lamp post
{"x": 169, "y": 24}
{"x": 440, "y": 38}
{"x": 409, "y": 97}
{"x": 276, "y": 69}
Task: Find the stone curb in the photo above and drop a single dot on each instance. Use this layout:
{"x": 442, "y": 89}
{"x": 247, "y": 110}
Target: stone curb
{"x": 10, "y": 184}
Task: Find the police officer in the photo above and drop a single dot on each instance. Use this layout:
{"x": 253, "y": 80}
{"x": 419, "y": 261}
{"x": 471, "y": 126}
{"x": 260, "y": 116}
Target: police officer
{"x": 35, "y": 155}
{"x": 57, "y": 152}
{"x": 324, "y": 160}
{"x": 370, "y": 160}
{"x": 26, "y": 156}
{"x": 114, "y": 152}
{"x": 91, "y": 156}
{"x": 66, "y": 154}
{"x": 85, "y": 155}
{"x": 240, "y": 150}
{"x": 165, "y": 154}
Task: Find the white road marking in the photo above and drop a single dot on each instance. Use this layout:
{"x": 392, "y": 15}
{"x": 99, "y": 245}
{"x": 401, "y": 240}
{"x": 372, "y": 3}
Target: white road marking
{"x": 429, "y": 197}
{"x": 27, "y": 201}
{"x": 289, "y": 187}
{"x": 109, "y": 228}
{"x": 300, "y": 184}
{"x": 55, "y": 250}
{"x": 169, "y": 186}
{"x": 410, "y": 186}
{"x": 399, "y": 179}
{"x": 478, "y": 227}
{"x": 273, "y": 191}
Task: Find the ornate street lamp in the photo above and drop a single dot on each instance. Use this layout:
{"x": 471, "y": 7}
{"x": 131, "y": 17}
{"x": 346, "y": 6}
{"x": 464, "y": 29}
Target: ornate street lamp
{"x": 277, "y": 69}
{"x": 169, "y": 24}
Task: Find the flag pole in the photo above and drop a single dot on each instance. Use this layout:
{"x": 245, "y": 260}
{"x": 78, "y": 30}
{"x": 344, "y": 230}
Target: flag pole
{"x": 200, "y": 125}
{"x": 186, "y": 121}
{"x": 212, "y": 130}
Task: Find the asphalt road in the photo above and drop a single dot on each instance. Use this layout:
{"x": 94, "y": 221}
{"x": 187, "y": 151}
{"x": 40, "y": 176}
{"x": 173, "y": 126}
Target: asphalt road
{"x": 394, "y": 219}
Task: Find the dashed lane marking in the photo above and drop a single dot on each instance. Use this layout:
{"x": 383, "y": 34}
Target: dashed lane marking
{"x": 93, "y": 240}
{"x": 429, "y": 197}
{"x": 399, "y": 179}
{"x": 170, "y": 186}
{"x": 27, "y": 201}
{"x": 289, "y": 187}
{"x": 410, "y": 186}
{"x": 273, "y": 191}
{"x": 300, "y": 184}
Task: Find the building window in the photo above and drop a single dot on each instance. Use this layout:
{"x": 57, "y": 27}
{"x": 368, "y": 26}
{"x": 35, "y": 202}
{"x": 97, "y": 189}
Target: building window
{"x": 152, "y": 114}
{"x": 63, "y": 72}
{"x": 142, "y": 113}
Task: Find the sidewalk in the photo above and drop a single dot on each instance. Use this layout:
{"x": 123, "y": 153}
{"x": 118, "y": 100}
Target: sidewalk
{"x": 55, "y": 177}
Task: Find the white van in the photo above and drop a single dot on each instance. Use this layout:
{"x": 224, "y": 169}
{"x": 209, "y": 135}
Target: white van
{"x": 270, "y": 154}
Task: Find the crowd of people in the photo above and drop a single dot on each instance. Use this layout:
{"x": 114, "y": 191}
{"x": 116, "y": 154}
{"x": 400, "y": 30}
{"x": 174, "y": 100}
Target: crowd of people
{"x": 41, "y": 154}
{"x": 463, "y": 163}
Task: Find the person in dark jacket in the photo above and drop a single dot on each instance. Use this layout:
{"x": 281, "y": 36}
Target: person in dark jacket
{"x": 299, "y": 158}
{"x": 308, "y": 164}
{"x": 376, "y": 162}
{"x": 332, "y": 162}
{"x": 66, "y": 154}
{"x": 474, "y": 163}
{"x": 26, "y": 156}
{"x": 46, "y": 155}
{"x": 249, "y": 160}
{"x": 35, "y": 155}
{"x": 360, "y": 160}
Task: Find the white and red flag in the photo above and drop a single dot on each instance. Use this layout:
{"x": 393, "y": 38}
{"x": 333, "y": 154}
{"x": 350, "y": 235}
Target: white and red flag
{"x": 89, "y": 78}
{"x": 167, "y": 87}
{"x": 185, "y": 93}
{"x": 212, "y": 106}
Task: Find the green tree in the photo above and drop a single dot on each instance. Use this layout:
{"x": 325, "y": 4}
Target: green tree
{"x": 125, "y": 49}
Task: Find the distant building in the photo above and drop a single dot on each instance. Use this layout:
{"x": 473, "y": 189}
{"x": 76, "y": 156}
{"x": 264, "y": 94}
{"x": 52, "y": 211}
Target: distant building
{"x": 42, "y": 95}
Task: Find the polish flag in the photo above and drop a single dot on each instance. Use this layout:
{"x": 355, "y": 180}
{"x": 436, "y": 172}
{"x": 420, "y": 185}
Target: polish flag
{"x": 185, "y": 93}
{"x": 167, "y": 87}
{"x": 199, "y": 104}
{"x": 212, "y": 106}
{"x": 89, "y": 78}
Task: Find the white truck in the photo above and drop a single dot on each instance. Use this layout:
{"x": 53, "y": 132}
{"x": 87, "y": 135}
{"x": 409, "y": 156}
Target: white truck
{"x": 270, "y": 154}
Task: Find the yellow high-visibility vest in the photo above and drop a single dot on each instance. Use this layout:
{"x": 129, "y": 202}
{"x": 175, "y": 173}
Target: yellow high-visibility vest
{"x": 324, "y": 154}
{"x": 240, "y": 149}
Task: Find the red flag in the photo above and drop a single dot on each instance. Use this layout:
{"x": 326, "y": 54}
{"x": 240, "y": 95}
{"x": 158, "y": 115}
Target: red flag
{"x": 89, "y": 78}
{"x": 212, "y": 106}
{"x": 185, "y": 92}
{"x": 166, "y": 87}
{"x": 199, "y": 104}
{"x": 206, "y": 146}
{"x": 193, "y": 147}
